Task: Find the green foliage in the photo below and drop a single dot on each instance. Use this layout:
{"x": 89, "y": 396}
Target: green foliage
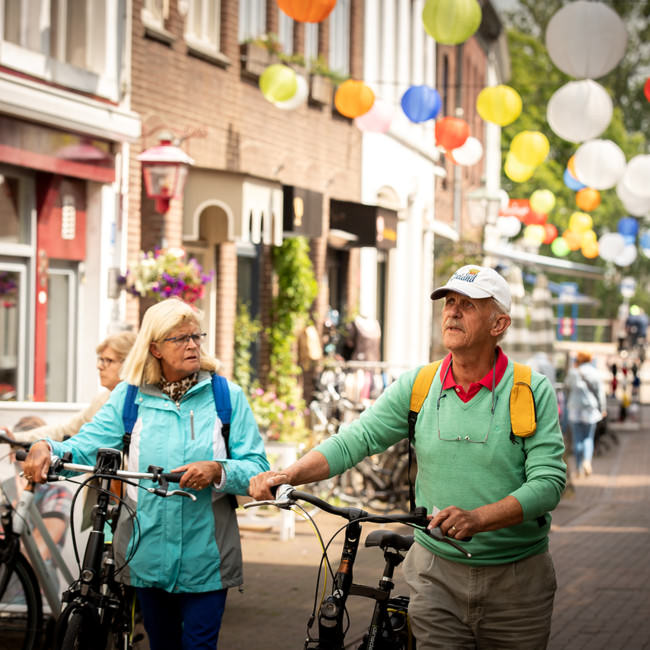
{"x": 247, "y": 330}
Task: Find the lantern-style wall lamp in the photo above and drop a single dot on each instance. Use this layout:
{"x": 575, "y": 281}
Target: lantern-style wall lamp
{"x": 164, "y": 168}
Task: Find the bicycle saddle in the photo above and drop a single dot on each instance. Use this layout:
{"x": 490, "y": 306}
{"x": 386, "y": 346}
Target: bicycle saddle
{"x": 388, "y": 539}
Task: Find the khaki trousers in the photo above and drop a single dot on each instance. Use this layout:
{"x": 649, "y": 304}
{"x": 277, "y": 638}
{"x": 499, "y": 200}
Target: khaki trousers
{"x": 455, "y": 606}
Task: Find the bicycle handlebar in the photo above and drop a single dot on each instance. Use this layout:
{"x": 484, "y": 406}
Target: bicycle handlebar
{"x": 287, "y": 495}
{"x": 13, "y": 443}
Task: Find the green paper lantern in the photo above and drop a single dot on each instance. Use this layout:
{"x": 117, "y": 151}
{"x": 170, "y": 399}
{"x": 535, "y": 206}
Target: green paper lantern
{"x": 451, "y": 21}
{"x": 278, "y": 83}
{"x": 560, "y": 247}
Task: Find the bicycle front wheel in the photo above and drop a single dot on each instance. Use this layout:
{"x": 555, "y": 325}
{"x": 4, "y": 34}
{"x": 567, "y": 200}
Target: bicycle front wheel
{"x": 82, "y": 631}
{"x": 21, "y": 607}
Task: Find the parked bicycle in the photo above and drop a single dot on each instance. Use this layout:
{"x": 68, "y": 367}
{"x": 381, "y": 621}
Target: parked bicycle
{"x": 23, "y": 576}
{"x": 389, "y": 627}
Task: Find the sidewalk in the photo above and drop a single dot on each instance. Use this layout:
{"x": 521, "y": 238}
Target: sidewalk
{"x": 600, "y": 543}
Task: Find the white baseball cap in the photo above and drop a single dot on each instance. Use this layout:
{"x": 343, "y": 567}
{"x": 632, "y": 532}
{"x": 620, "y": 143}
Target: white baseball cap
{"x": 477, "y": 282}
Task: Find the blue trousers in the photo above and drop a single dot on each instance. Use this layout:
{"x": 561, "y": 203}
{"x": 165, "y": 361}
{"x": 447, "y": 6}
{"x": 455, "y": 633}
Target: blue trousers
{"x": 583, "y": 441}
{"x": 187, "y": 621}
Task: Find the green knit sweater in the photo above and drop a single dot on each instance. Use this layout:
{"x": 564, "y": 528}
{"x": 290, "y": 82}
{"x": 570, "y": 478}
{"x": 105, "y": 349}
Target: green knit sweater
{"x": 465, "y": 474}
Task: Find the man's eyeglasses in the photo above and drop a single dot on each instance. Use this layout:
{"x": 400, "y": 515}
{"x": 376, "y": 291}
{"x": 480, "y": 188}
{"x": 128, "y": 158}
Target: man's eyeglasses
{"x": 104, "y": 362}
{"x": 182, "y": 341}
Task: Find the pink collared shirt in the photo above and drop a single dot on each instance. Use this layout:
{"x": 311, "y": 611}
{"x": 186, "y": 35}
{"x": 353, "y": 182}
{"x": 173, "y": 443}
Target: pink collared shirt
{"x": 474, "y": 387}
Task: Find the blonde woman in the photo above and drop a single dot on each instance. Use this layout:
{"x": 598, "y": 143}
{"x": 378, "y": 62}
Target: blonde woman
{"x": 189, "y": 552}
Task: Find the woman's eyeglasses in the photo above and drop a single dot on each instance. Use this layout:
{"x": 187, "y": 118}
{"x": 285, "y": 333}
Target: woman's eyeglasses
{"x": 104, "y": 362}
{"x": 182, "y": 341}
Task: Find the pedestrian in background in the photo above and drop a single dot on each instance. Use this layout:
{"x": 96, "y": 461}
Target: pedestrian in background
{"x": 479, "y": 478}
{"x": 189, "y": 553}
{"x": 586, "y": 407}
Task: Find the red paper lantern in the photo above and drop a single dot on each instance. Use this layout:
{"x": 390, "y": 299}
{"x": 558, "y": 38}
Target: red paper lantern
{"x": 550, "y": 233}
{"x": 535, "y": 218}
{"x": 451, "y": 132}
{"x": 307, "y": 11}
{"x": 353, "y": 98}
{"x": 588, "y": 199}
{"x": 646, "y": 89}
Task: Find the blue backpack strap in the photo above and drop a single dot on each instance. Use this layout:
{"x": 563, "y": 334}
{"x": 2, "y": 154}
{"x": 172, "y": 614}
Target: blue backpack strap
{"x": 222, "y": 403}
{"x": 129, "y": 415}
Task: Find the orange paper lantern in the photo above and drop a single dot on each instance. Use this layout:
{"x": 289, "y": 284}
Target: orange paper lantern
{"x": 590, "y": 249}
{"x": 588, "y": 199}
{"x": 573, "y": 239}
{"x": 307, "y": 11}
{"x": 451, "y": 132}
{"x": 353, "y": 98}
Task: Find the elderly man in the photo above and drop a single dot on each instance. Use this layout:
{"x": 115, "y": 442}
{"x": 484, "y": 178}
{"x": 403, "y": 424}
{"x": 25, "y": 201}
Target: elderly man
{"x": 476, "y": 478}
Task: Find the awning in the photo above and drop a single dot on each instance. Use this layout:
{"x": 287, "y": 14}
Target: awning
{"x": 303, "y": 212}
{"x": 372, "y": 225}
{"x": 253, "y": 206}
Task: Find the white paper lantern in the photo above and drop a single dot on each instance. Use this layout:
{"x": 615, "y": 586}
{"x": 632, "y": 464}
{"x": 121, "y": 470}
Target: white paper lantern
{"x": 637, "y": 176}
{"x": 302, "y": 92}
{"x": 627, "y": 256}
{"x": 586, "y": 39}
{"x": 504, "y": 199}
{"x": 599, "y": 164}
{"x": 611, "y": 246}
{"x": 378, "y": 119}
{"x": 579, "y": 110}
{"x": 634, "y": 204}
{"x": 469, "y": 153}
{"x": 508, "y": 226}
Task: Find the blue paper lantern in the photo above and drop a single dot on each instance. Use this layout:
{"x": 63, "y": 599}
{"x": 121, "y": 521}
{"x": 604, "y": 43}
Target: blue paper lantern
{"x": 628, "y": 227}
{"x": 421, "y": 103}
{"x": 571, "y": 182}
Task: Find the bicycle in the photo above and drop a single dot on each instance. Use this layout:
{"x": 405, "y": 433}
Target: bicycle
{"x": 22, "y": 576}
{"x": 99, "y": 610}
{"x": 389, "y": 627}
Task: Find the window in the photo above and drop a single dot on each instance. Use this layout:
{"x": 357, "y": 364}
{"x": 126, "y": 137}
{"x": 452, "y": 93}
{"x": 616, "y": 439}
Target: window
{"x": 285, "y": 32}
{"x": 311, "y": 41}
{"x": 339, "y": 58}
{"x": 13, "y": 328}
{"x": 252, "y": 19}
{"x": 14, "y": 223}
{"x": 155, "y": 13}
{"x": 203, "y": 24}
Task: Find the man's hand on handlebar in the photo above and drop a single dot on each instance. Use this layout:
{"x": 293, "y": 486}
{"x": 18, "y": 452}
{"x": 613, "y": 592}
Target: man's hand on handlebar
{"x": 260, "y": 486}
{"x": 37, "y": 462}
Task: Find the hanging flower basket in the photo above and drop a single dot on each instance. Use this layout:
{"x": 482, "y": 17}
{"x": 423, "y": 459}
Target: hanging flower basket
{"x": 165, "y": 273}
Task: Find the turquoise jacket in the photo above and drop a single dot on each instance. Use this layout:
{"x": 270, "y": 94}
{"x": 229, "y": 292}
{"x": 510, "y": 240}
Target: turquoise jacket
{"x": 179, "y": 545}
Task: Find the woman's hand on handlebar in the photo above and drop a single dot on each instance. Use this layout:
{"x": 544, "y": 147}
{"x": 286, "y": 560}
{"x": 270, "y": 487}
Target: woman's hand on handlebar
{"x": 37, "y": 462}
{"x": 199, "y": 475}
{"x": 260, "y": 486}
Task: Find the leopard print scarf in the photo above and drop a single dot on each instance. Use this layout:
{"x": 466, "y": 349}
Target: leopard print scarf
{"x": 176, "y": 389}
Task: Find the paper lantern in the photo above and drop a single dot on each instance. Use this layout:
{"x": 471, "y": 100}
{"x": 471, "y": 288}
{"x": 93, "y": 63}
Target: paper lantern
{"x": 628, "y": 256}
{"x": 588, "y": 199}
{"x": 571, "y": 182}
{"x": 534, "y": 234}
{"x": 378, "y": 119}
{"x": 589, "y": 249}
{"x": 302, "y": 92}
{"x": 579, "y": 110}
{"x": 533, "y": 218}
{"x": 586, "y": 39}
{"x": 580, "y": 222}
{"x": 504, "y": 199}
{"x": 571, "y": 166}
{"x": 421, "y": 103}
{"x": 353, "y": 98}
{"x": 499, "y": 104}
{"x": 588, "y": 237}
{"x": 610, "y": 246}
{"x": 646, "y": 89}
{"x": 515, "y": 170}
{"x": 635, "y": 205}
{"x": 628, "y": 226}
{"x": 307, "y": 11}
{"x": 559, "y": 247}
{"x": 469, "y": 153}
{"x": 542, "y": 201}
{"x": 637, "y": 176}
{"x": 278, "y": 83}
{"x": 572, "y": 239}
{"x": 530, "y": 147}
{"x": 451, "y": 21}
{"x": 451, "y": 132}
{"x": 508, "y": 226}
{"x": 644, "y": 242}
{"x": 550, "y": 233}
{"x": 599, "y": 164}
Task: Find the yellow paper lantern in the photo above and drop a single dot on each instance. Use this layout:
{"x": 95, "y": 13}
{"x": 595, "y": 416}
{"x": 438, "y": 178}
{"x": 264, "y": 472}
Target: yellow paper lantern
{"x": 580, "y": 222}
{"x": 353, "y": 98}
{"x": 499, "y": 104}
{"x": 278, "y": 83}
{"x": 515, "y": 170}
{"x": 588, "y": 237}
{"x": 590, "y": 249}
{"x": 571, "y": 166}
{"x": 573, "y": 239}
{"x": 530, "y": 147}
{"x": 542, "y": 201}
{"x": 534, "y": 234}
{"x": 451, "y": 21}
{"x": 588, "y": 199}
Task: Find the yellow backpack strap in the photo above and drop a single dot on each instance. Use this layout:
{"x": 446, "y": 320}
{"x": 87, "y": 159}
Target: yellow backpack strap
{"x": 419, "y": 392}
{"x": 523, "y": 412}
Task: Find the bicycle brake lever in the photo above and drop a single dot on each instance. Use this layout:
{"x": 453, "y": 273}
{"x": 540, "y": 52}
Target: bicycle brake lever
{"x": 164, "y": 493}
{"x": 436, "y": 533}
{"x": 282, "y": 499}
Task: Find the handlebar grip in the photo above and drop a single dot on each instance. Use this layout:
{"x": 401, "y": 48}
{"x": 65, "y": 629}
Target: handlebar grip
{"x": 21, "y": 454}
{"x": 173, "y": 477}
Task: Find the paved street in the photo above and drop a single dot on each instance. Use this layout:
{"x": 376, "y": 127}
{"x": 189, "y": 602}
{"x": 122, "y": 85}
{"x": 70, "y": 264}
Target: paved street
{"x": 600, "y": 543}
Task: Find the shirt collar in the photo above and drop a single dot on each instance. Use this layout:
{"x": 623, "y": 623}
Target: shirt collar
{"x": 499, "y": 369}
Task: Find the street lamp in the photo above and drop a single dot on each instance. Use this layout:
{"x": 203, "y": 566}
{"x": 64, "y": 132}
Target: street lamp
{"x": 483, "y": 205}
{"x": 164, "y": 168}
